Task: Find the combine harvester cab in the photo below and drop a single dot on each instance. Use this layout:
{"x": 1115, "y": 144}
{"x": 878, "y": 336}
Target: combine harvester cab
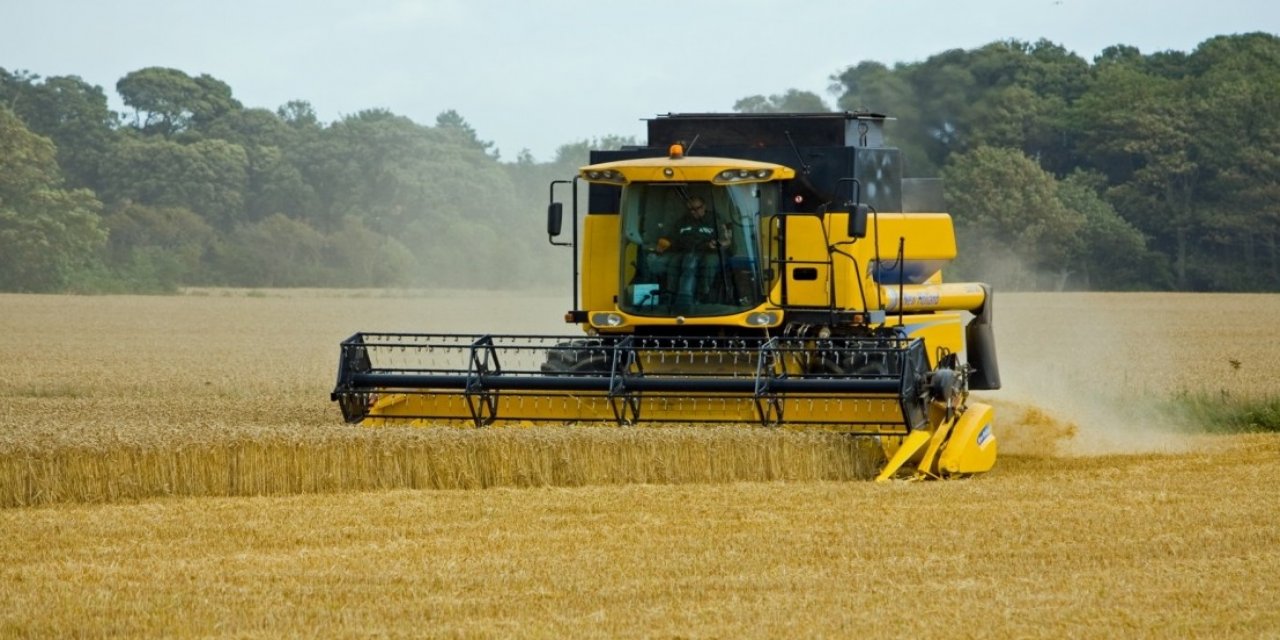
{"x": 784, "y": 276}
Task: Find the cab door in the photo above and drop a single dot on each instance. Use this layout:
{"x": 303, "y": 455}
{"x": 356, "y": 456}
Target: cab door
{"x": 801, "y": 257}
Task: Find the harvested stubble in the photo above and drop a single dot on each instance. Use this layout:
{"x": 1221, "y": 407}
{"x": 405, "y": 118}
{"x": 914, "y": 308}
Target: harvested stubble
{"x": 363, "y": 459}
{"x": 1133, "y": 546}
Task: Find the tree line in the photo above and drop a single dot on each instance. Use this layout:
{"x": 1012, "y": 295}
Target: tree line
{"x": 192, "y": 188}
{"x": 1130, "y": 171}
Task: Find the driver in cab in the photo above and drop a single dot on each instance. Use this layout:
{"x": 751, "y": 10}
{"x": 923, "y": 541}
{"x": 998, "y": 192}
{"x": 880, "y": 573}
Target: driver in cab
{"x": 698, "y": 243}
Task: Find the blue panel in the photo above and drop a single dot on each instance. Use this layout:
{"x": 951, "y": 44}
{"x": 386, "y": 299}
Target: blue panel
{"x": 915, "y": 272}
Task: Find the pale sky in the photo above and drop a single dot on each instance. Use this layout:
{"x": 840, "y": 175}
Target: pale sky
{"x": 534, "y": 75}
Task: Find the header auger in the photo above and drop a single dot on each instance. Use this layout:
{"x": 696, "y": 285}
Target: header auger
{"x": 730, "y": 288}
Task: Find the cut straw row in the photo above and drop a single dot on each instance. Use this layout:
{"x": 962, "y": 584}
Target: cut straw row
{"x": 362, "y": 460}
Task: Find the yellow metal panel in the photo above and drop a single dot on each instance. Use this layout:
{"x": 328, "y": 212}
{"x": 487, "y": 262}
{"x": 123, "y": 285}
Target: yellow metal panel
{"x": 845, "y": 277}
{"x": 806, "y": 252}
{"x": 930, "y": 236}
{"x": 684, "y": 169}
{"x": 941, "y": 329}
{"x": 600, "y": 262}
{"x": 905, "y": 451}
{"x": 877, "y": 414}
{"x": 972, "y": 448}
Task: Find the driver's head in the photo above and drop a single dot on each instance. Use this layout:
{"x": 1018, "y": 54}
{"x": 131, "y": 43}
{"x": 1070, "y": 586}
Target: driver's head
{"x": 696, "y": 206}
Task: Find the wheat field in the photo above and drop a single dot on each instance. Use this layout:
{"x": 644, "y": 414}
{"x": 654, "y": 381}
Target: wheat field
{"x": 171, "y": 466}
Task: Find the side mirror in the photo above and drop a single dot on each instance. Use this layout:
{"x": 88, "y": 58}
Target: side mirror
{"x": 858, "y": 220}
{"x": 555, "y": 217}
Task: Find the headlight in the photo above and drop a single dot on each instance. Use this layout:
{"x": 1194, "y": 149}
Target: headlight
{"x": 605, "y": 175}
{"x": 606, "y": 319}
{"x": 762, "y": 319}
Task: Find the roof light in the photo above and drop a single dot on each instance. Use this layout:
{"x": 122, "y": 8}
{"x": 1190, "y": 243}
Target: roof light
{"x": 604, "y": 175}
{"x": 743, "y": 175}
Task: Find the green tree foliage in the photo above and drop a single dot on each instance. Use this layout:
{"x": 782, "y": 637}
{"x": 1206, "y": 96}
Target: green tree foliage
{"x": 1029, "y": 224}
{"x": 389, "y": 171}
{"x": 167, "y": 101}
{"x": 203, "y": 191}
{"x": 49, "y": 235}
{"x": 1235, "y": 93}
{"x": 1140, "y": 129}
{"x": 1185, "y": 142}
{"x": 156, "y": 248}
{"x": 453, "y": 124}
{"x": 793, "y": 101}
{"x": 283, "y": 252}
{"x": 429, "y": 187}
{"x": 298, "y": 114}
{"x": 571, "y": 155}
{"x": 209, "y": 177}
{"x": 1015, "y": 117}
{"x": 270, "y": 141}
{"x": 251, "y": 127}
{"x": 71, "y": 113}
{"x": 1008, "y": 93}
{"x": 1110, "y": 253}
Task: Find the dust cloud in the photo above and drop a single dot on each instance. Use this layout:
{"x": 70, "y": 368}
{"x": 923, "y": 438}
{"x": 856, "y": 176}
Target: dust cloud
{"x": 1077, "y": 377}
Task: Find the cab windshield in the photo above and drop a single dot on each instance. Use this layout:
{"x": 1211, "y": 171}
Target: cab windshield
{"x": 693, "y": 249}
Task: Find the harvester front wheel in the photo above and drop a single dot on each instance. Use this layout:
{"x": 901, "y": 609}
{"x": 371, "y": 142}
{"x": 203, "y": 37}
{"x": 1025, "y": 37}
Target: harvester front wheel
{"x": 578, "y": 357}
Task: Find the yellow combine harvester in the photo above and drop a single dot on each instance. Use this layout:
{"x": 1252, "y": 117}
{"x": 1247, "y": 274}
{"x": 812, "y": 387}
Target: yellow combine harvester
{"x": 776, "y": 271}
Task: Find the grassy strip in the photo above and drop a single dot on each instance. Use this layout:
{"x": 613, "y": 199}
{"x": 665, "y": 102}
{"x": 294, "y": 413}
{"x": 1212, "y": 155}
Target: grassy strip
{"x": 1223, "y": 413}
